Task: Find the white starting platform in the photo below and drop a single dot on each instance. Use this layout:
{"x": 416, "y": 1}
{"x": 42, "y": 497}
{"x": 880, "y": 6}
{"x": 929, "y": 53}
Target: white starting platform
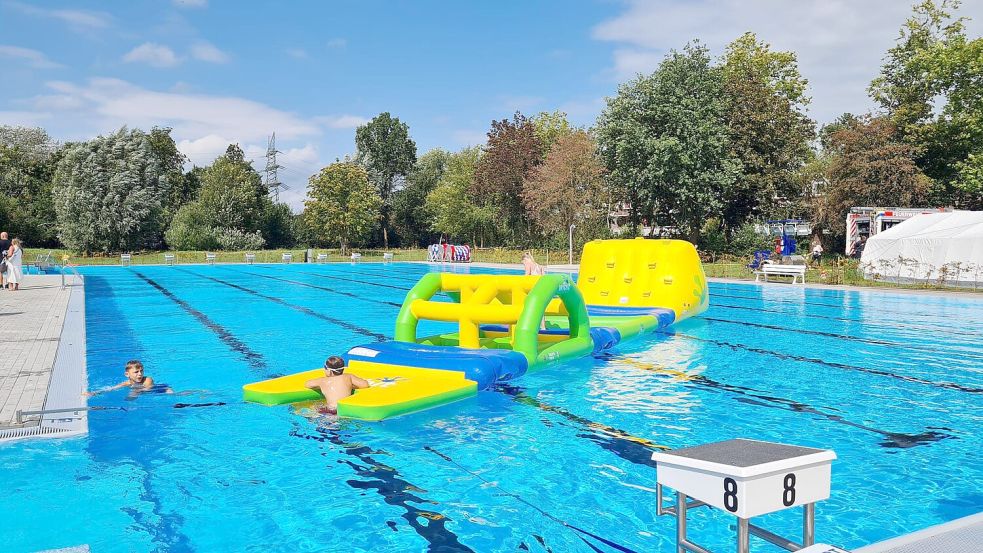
{"x": 746, "y": 478}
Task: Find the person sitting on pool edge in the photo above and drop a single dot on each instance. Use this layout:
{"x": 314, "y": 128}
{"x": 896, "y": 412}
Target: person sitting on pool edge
{"x": 135, "y": 380}
{"x": 335, "y": 385}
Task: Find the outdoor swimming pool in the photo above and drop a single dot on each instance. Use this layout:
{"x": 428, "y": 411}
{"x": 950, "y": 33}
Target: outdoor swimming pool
{"x": 557, "y": 461}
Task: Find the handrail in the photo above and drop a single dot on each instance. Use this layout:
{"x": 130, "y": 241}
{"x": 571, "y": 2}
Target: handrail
{"x": 61, "y": 269}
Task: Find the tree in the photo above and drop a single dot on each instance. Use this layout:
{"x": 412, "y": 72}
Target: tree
{"x": 232, "y": 210}
{"x": 568, "y": 188}
{"x": 931, "y": 85}
{"x": 28, "y": 157}
{"x": 664, "y": 140}
{"x": 549, "y": 127}
{"x": 341, "y": 206}
{"x": 387, "y": 152}
{"x": 409, "y": 212}
{"x": 172, "y": 162}
{"x": 869, "y": 165}
{"x": 769, "y": 132}
{"x": 452, "y": 208}
{"x": 109, "y": 194}
{"x": 512, "y": 151}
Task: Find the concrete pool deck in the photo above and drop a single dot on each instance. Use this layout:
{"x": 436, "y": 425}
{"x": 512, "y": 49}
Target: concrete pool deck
{"x": 42, "y": 368}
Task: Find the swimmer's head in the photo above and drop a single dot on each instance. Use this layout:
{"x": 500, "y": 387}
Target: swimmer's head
{"x": 134, "y": 370}
{"x": 334, "y": 366}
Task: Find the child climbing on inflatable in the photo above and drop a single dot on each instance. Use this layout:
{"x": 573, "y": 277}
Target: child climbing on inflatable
{"x": 335, "y": 385}
{"x": 530, "y": 265}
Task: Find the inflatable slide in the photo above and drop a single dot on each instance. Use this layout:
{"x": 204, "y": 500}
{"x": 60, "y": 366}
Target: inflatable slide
{"x": 507, "y": 325}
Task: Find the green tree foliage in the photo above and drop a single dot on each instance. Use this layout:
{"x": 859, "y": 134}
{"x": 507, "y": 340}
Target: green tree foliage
{"x": 769, "y": 131}
{"x": 28, "y": 157}
{"x": 568, "y": 188}
{"x": 172, "y": 165}
{"x": 387, "y": 152}
{"x": 549, "y": 127}
{"x": 512, "y": 151}
{"x": 453, "y": 209}
{"x": 409, "y": 211}
{"x": 232, "y": 210}
{"x": 664, "y": 139}
{"x": 342, "y": 207}
{"x": 110, "y": 194}
{"x": 931, "y": 84}
{"x": 868, "y": 165}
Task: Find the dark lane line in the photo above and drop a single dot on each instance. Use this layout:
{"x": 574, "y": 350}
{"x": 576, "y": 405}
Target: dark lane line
{"x": 334, "y": 277}
{"x": 751, "y": 396}
{"x": 435, "y": 531}
{"x": 325, "y": 288}
{"x": 846, "y": 309}
{"x": 841, "y": 337}
{"x": 891, "y": 326}
{"x": 254, "y": 359}
{"x": 388, "y": 483}
{"x": 338, "y": 322}
{"x": 580, "y": 533}
{"x": 790, "y": 357}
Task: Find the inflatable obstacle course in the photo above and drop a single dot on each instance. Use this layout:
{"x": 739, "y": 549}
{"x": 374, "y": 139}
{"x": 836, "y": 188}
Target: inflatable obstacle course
{"x": 508, "y": 325}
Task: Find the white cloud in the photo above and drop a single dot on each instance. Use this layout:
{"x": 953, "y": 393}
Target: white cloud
{"x": 205, "y": 51}
{"x": 31, "y": 57}
{"x": 342, "y": 121}
{"x": 152, "y": 54}
{"x": 79, "y": 19}
{"x": 337, "y": 42}
{"x": 111, "y": 103}
{"x": 467, "y": 137}
{"x": 23, "y": 118}
{"x": 840, "y": 43}
{"x": 298, "y": 53}
{"x": 191, "y": 3}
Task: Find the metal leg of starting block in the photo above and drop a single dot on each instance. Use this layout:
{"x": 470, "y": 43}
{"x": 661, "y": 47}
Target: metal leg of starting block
{"x": 743, "y": 536}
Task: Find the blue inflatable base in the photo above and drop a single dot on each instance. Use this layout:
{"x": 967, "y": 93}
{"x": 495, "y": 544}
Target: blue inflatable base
{"x": 484, "y": 366}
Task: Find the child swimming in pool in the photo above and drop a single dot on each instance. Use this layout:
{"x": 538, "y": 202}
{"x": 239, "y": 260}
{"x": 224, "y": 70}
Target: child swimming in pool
{"x": 135, "y": 380}
{"x": 335, "y": 385}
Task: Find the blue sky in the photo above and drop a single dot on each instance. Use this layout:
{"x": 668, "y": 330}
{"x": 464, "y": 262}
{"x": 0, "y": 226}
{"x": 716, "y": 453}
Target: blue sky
{"x": 235, "y": 71}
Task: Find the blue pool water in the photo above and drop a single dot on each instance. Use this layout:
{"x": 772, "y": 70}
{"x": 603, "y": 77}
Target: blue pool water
{"x": 557, "y": 461}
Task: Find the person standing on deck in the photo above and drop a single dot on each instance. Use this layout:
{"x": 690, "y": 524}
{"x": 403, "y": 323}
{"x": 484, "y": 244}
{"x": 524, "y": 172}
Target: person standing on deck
{"x": 15, "y": 270}
{"x": 4, "y": 246}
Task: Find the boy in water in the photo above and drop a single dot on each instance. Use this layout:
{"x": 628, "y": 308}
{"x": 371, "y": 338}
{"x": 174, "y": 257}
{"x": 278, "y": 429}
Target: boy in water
{"x": 335, "y": 385}
{"x": 135, "y": 380}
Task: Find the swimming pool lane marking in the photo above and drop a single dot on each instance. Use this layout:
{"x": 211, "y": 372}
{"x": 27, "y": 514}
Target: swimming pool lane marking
{"x": 580, "y": 531}
{"x": 883, "y": 301}
{"x": 847, "y": 308}
{"x": 252, "y": 358}
{"x": 872, "y": 341}
{"x": 899, "y": 440}
{"x": 325, "y": 288}
{"x": 834, "y": 364}
{"x": 891, "y": 326}
{"x": 338, "y": 322}
{"x": 388, "y": 483}
{"x": 943, "y": 384}
{"x": 612, "y": 433}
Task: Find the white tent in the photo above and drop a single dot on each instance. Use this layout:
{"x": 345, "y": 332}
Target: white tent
{"x": 937, "y": 247}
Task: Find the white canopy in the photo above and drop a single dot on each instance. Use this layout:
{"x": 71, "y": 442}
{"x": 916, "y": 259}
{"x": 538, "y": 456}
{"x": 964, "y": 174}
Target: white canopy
{"x": 929, "y": 247}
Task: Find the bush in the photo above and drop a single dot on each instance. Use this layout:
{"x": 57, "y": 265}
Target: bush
{"x": 236, "y": 239}
{"x": 188, "y": 231}
{"x": 747, "y": 240}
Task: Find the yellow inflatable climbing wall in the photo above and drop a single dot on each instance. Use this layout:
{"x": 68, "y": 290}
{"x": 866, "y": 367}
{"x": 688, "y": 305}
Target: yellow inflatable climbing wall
{"x": 644, "y": 273}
